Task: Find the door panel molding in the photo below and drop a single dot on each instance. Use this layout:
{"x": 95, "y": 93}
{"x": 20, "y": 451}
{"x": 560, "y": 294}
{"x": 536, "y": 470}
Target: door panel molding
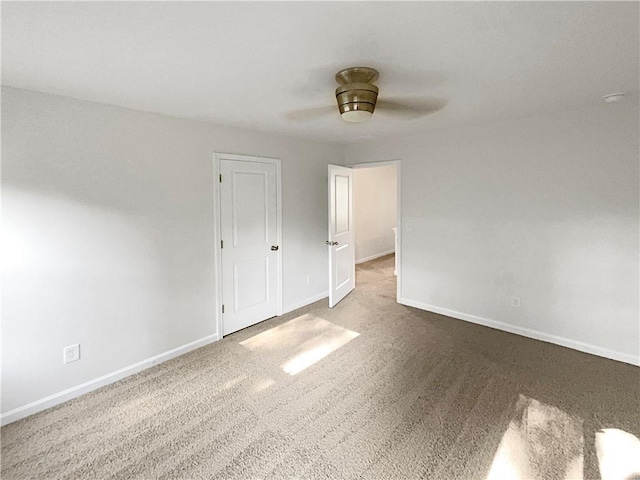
{"x": 218, "y": 298}
{"x": 263, "y": 185}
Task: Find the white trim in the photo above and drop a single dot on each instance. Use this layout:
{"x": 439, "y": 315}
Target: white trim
{"x": 279, "y": 233}
{"x": 218, "y": 233}
{"x": 398, "y": 164}
{"x": 373, "y": 257}
{"x": 217, "y": 255}
{"x": 78, "y": 390}
{"x": 385, "y": 163}
{"x": 305, "y": 302}
{"x": 527, "y": 332}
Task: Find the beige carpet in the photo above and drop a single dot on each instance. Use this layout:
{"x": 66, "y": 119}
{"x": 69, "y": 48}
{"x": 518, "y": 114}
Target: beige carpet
{"x": 369, "y": 389}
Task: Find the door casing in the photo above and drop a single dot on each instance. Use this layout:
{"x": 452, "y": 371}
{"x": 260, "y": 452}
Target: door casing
{"x": 218, "y": 227}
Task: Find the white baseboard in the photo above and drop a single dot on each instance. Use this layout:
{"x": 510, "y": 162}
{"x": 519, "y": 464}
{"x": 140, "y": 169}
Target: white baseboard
{"x": 305, "y": 302}
{"x": 373, "y": 257}
{"x": 73, "y": 392}
{"x": 527, "y": 332}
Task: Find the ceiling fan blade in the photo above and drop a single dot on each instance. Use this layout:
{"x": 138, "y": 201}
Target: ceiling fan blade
{"x": 411, "y": 108}
{"x": 309, "y": 114}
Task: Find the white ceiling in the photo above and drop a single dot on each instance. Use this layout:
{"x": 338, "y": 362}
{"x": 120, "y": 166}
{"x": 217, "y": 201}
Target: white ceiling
{"x": 249, "y": 64}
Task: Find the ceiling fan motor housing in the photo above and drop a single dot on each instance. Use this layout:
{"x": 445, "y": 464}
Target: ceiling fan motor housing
{"x": 356, "y": 91}
{"x": 357, "y": 96}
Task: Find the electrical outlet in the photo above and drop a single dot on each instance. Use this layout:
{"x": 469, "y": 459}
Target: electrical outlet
{"x": 71, "y": 353}
{"x": 515, "y": 302}
{"x": 308, "y": 279}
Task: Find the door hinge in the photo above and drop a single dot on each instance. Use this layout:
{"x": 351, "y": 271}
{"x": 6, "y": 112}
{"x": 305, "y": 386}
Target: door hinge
{"x": 222, "y": 308}
{"x": 221, "y": 243}
{"x": 220, "y": 178}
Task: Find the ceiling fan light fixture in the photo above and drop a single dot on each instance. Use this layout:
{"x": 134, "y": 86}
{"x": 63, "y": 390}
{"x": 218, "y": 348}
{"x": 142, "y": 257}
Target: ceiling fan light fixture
{"x": 357, "y": 99}
{"x": 356, "y": 116}
{"x": 357, "y": 95}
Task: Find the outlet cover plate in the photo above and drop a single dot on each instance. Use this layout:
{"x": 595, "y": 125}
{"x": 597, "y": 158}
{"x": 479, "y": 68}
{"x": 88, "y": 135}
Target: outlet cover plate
{"x": 71, "y": 353}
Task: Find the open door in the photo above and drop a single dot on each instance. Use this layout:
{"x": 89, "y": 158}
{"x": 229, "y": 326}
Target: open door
{"x": 342, "y": 263}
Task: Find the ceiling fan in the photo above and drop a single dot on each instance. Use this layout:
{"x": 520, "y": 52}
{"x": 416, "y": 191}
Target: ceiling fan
{"x": 357, "y": 99}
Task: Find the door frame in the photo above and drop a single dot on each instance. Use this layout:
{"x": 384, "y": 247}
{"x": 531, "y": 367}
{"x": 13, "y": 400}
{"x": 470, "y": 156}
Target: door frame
{"x": 217, "y": 233}
{"x": 398, "y": 164}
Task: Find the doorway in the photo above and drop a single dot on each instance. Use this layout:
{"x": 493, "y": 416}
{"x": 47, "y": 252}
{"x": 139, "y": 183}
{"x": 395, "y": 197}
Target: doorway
{"x": 375, "y": 199}
{"x": 248, "y": 260}
{"x": 375, "y": 196}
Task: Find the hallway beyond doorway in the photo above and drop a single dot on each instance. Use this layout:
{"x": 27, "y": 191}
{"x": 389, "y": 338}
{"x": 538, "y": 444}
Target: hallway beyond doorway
{"x": 377, "y": 276}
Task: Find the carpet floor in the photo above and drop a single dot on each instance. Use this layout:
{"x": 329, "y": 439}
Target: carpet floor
{"x": 368, "y": 389}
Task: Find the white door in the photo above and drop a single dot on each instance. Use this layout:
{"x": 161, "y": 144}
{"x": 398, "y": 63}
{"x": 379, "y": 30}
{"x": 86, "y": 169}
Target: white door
{"x": 342, "y": 263}
{"x": 248, "y": 204}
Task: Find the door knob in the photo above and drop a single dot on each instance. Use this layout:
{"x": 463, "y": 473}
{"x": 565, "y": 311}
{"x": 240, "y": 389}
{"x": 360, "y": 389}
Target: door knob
{"x": 274, "y": 247}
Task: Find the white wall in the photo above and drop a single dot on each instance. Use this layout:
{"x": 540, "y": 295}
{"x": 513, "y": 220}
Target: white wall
{"x": 545, "y": 208}
{"x": 375, "y": 210}
{"x": 108, "y": 225}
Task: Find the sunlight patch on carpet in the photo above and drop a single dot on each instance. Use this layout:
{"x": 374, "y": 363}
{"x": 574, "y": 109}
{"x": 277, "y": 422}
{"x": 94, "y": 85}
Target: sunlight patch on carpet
{"x": 304, "y": 341}
{"x": 618, "y": 454}
{"x": 541, "y": 441}
{"x": 262, "y": 384}
{"x": 233, "y": 382}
